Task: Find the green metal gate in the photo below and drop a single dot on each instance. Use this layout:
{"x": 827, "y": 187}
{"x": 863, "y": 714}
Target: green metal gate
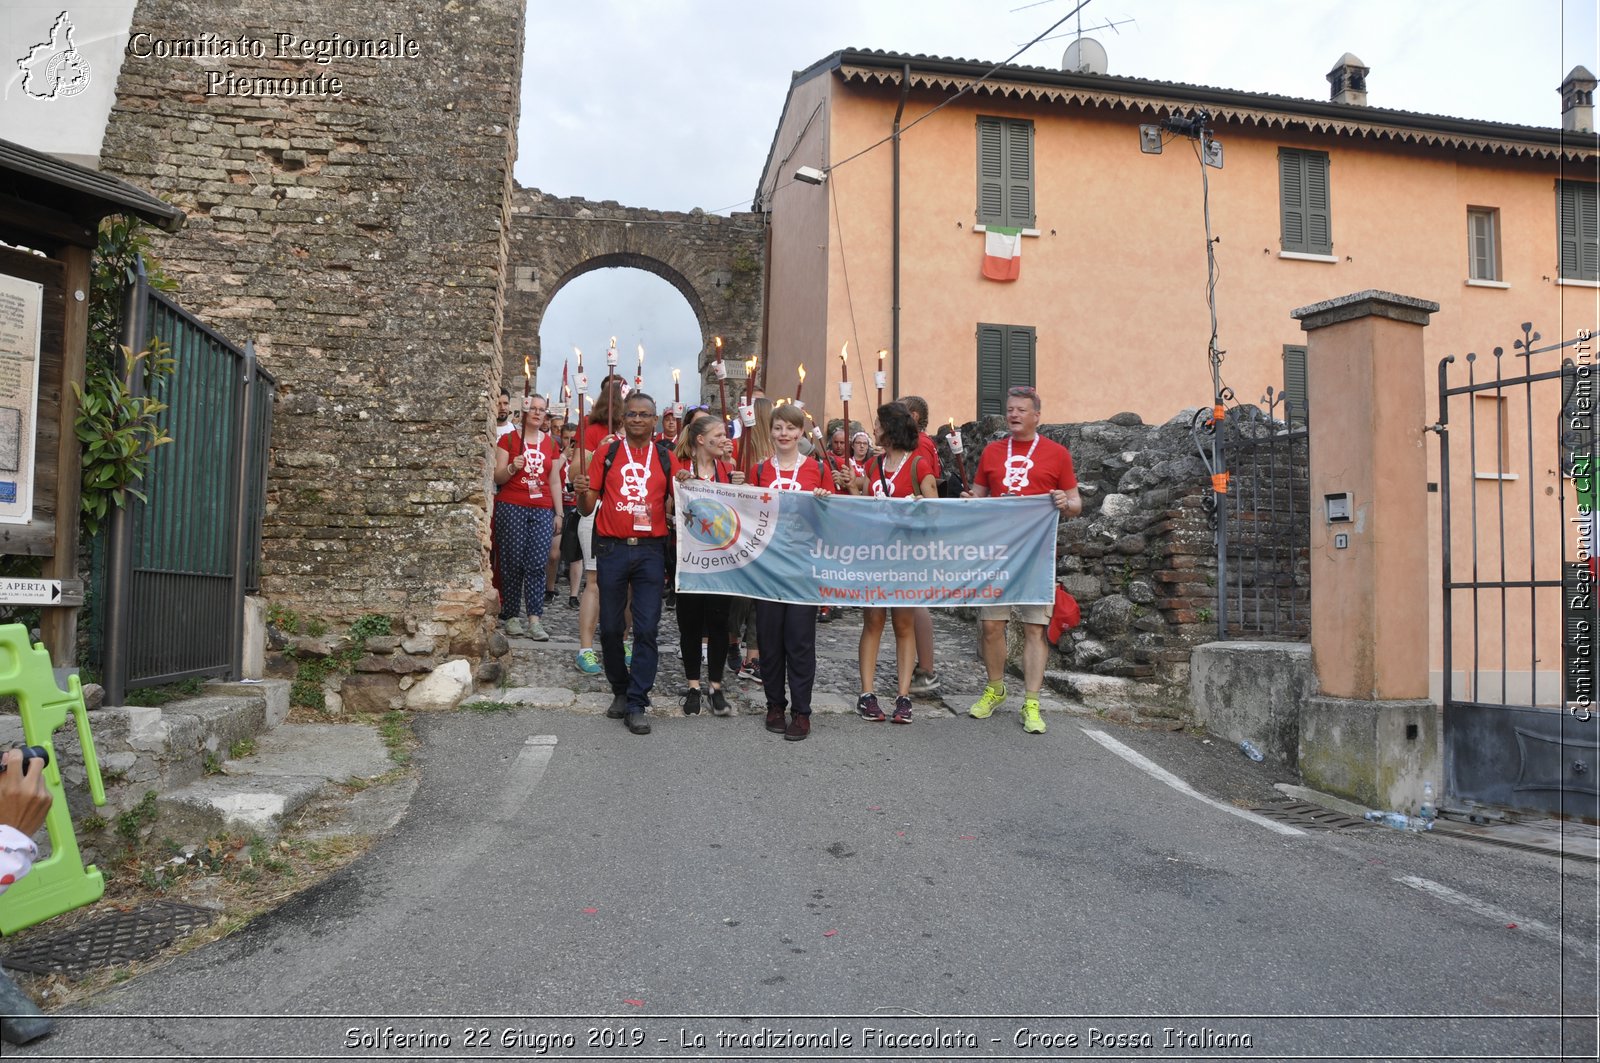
{"x": 180, "y": 563}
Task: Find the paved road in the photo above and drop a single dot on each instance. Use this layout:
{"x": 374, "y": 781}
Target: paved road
{"x": 952, "y": 879}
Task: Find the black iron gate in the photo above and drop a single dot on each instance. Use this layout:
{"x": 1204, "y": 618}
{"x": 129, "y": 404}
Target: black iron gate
{"x": 1264, "y": 522}
{"x": 180, "y": 563}
{"x": 1516, "y": 474}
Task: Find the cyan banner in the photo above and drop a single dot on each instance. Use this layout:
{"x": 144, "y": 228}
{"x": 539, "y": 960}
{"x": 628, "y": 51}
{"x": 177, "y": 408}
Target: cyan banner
{"x": 792, "y": 546}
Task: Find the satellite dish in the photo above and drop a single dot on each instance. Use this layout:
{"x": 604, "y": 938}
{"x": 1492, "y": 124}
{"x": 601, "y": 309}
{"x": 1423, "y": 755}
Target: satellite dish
{"x": 1084, "y": 56}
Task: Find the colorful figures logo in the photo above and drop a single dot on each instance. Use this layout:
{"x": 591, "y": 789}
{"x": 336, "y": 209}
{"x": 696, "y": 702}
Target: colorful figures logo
{"x": 712, "y": 523}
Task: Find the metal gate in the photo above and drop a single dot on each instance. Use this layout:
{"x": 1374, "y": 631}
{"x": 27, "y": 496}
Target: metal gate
{"x": 1264, "y": 529}
{"x": 180, "y": 563}
{"x": 1517, "y": 458}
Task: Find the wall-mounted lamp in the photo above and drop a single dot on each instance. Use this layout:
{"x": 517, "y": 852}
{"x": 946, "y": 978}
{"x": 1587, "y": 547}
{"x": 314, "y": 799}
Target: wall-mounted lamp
{"x": 810, "y": 175}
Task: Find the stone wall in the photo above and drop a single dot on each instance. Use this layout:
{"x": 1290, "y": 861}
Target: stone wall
{"x": 360, "y": 238}
{"x": 1140, "y": 561}
{"x": 716, "y": 262}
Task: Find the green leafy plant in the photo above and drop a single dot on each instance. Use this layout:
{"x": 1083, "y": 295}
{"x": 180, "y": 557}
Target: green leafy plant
{"x": 244, "y": 747}
{"x": 118, "y": 423}
{"x": 134, "y": 820}
{"x": 310, "y": 672}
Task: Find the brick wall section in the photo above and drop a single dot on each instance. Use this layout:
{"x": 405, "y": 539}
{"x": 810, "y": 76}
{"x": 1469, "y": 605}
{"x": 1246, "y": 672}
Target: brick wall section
{"x": 715, "y": 261}
{"x": 361, "y": 240}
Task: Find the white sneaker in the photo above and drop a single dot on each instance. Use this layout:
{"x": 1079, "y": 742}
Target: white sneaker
{"x": 514, "y": 627}
{"x": 924, "y": 684}
{"x": 536, "y": 630}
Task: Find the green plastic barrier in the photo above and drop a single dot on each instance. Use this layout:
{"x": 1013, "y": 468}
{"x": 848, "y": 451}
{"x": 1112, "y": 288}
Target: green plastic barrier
{"x": 59, "y": 883}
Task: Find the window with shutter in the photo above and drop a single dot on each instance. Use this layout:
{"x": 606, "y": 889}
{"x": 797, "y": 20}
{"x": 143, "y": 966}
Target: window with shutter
{"x": 1483, "y": 244}
{"x": 1006, "y": 359}
{"x": 1579, "y": 227}
{"x": 1005, "y": 172}
{"x": 1304, "y": 201}
{"x": 1295, "y": 392}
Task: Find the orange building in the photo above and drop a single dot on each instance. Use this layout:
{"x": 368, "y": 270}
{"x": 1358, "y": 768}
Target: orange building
{"x": 886, "y": 172}
{"x": 1314, "y": 199}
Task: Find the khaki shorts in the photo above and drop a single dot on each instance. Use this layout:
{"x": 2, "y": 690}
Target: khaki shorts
{"x": 1027, "y": 614}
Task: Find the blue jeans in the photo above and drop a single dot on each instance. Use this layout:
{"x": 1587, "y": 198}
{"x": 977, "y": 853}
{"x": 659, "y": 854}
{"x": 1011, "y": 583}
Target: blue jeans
{"x": 620, "y": 568}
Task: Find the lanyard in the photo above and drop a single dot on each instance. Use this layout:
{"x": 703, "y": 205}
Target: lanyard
{"x": 782, "y": 483}
{"x": 1028, "y": 457}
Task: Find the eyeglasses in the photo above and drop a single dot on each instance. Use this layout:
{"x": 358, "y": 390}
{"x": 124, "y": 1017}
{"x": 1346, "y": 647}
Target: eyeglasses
{"x": 640, "y": 415}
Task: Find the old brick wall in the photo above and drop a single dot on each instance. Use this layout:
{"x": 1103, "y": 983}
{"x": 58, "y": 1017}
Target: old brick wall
{"x": 361, "y": 240}
{"x": 715, "y": 261}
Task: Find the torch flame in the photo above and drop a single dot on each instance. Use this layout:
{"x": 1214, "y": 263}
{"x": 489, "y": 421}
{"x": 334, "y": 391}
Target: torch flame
{"x": 674, "y": 376}
{"x": 525, "y": 371}
{"x": 802, "y": 372}
{"x": 882, "y": 353}
{"x": 844, "y": 350}
{"x": 718, "y": 340}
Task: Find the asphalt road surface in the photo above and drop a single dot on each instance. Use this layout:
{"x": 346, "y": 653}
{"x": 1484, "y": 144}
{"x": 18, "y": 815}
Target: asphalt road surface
{"x": 563, "y": 889}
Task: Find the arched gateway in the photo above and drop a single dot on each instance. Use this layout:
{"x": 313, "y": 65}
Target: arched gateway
{"x": 714, "y": 261}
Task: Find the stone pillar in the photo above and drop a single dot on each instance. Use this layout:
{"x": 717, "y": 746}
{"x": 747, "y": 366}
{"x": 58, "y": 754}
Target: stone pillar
{"x": 1370, "y": 732}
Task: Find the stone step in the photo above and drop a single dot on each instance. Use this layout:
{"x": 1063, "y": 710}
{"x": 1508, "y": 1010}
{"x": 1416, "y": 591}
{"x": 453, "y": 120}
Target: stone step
{"x": 258, "y": 793}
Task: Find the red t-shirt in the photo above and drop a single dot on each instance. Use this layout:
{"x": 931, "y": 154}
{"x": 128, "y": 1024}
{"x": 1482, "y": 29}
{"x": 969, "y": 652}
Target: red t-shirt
{"x": 1034, "y": 468}
{"x": 900, "y": 484}
{"x": 530, "y": 486}
{"x": 636, "y": 480}
{"x": 928, "y": 452}
{"x": 809, "y": 475}
{"x": 722, "y": 473}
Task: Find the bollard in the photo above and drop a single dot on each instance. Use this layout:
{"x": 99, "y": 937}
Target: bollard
{"x": 58, "y": 883}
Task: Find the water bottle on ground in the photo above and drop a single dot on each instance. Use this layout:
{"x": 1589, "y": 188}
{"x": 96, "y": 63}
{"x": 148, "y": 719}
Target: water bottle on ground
{"x": 1428, "y": 809}
{"x": 1248, "y": 748}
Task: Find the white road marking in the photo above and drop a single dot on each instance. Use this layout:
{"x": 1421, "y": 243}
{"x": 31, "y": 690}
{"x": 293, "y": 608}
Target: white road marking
{"x": 525, "y": 772}
{"x": 1144, "y": 763}
{"x": 1491, "y": 912}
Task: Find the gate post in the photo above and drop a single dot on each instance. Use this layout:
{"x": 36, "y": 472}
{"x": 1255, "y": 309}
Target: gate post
{"x": 1370, "y": 732}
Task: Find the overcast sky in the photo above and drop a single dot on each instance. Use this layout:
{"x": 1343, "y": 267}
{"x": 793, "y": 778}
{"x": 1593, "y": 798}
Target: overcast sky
{"x": 671, "y": 104}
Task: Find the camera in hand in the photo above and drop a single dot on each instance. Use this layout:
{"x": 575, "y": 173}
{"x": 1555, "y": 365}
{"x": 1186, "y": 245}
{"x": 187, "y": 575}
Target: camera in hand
{"x": 30, "y": 752}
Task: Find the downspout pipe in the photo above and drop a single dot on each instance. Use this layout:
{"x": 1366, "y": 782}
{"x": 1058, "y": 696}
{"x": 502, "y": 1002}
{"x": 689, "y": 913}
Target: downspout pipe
{"x": 894, "y": 333}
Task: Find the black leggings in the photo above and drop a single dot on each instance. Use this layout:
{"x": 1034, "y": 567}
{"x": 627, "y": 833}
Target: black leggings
{"x": 703, "y": 616}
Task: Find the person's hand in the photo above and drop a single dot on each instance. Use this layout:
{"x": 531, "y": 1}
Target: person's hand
{"x": 580, "y": 483}
{"x": 821, "y": 492}
{"x": 24, "y": 799}
{"x": 683, "y": 476}
{"x": 736, "y": 477}
{"x": 841, "y": 478}
{"x": 518, "y": 462}
{"x": 967, "y": 494}
{"x": 1061, "y": 499}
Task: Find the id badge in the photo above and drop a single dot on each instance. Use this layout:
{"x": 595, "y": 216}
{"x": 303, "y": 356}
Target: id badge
{"x": 641, "y": 519}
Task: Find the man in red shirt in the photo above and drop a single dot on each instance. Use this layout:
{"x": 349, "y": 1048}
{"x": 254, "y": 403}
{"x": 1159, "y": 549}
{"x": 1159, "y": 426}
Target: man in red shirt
{"x": 1027, "y": 464}
{"x": 631, "y": 516}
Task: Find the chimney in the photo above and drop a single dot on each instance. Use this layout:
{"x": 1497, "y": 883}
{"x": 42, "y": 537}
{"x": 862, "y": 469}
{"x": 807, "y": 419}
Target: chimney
{"x": 1348, "y": 79}
{"x": 1577, "y": 101}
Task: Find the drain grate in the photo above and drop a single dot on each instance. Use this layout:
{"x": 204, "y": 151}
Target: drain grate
{"x": 1305, "y": 814}
{"x": 118, "y": 937}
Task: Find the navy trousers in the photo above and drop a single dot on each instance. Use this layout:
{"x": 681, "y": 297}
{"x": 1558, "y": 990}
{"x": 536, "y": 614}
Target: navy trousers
{"x": 642, "y": 569}
{"x": 788, "y": 639}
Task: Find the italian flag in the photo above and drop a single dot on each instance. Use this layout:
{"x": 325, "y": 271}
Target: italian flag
{"x": 1002, "y": 253}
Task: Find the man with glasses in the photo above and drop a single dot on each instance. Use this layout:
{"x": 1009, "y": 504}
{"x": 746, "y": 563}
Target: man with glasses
{"x": 631, "y": 506}
{"x": 1026, "y": 464}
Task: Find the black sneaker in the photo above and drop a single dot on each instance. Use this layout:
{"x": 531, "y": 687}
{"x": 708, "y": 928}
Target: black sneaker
{"x": 619, "y": 707}
{"x": 637, "y": 723}
{"x": 691, "y": 702}
{"x": 572, "y": 602}
{"x": 719, "y": 704}
{"x": 549, "y": 595}
{"x": 867, "y": 708}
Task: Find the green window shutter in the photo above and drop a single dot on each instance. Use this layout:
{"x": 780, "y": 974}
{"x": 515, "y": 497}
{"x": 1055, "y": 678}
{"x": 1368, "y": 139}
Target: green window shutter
{"x": 991, "y": 172}
{"x": 1292, "y": 199}
{"x": 1019, "y": 356}
{"x": 991, "y": 370}
{"x": 1303, "y": 201}
{"x": 1294, "y": 383}
{"x": 1319, "y": 223}
{"x": 1019, "y": 174}
{"x": 1579, "y": 231}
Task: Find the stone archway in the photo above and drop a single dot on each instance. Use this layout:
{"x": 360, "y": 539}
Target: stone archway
{"x": 715, "y": 262}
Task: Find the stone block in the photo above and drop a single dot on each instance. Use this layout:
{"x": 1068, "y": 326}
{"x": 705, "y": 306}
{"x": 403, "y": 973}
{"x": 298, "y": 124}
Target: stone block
{"x": 220, "y": 721}
{"x": 443, "y": 689}
{"x": 1377, "y": 753}
{"x": 373, "y": 692}
{"x": 254, "y": 661}
{"x": 1110, "y": 616}
{"x": 1253, "y": 690}
{"x": 275, "y": 692}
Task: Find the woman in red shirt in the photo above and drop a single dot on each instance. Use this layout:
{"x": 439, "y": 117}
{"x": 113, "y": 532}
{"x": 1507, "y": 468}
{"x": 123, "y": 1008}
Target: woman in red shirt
{"x": 898, "y": 472}
{"x": 704, "y": 616}
{"x": 788, "y": 633}
{"x": 527, "y": 468}
{"x": 605, "y": 421}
